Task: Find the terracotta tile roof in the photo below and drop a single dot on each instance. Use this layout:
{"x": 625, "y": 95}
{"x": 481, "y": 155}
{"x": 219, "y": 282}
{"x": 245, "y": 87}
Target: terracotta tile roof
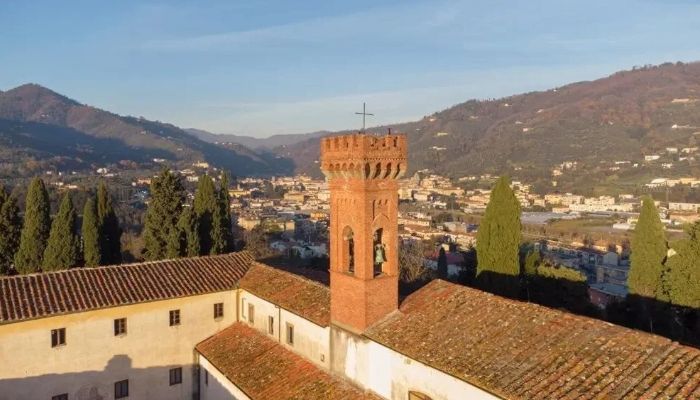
{"x": 292, "y": 292}
{"x": 45, "y": 294}
{"x": 264, "y": 369}
{"x": 519, "y": 350}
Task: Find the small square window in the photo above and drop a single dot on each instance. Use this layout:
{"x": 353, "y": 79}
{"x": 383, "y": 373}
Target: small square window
{"x": 63, "y": 396}
{"x": 174, "y": 317}
{"x": 120, "y": 326}
{"x": 175, "y": 376}
{"x": 218, "y": 310}
{"x": 121, "y": 389}
{"x": 271, "y": 325}
{"x": 251, "y": 313}
{"x": 58, "y": 337}
{"x": 290, "y": 334}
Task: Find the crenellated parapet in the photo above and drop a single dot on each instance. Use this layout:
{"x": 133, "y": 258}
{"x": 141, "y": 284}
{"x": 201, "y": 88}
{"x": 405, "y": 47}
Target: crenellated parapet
{"x": 361, "y": 156}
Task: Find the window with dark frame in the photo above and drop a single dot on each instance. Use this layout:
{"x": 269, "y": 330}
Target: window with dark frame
{"x": 120, "y": 326}
{"x": 271, "y": 325}
{"x": 206, "y": 377}
{"x": 121, "y": 389}
{"x": 251, "y": 313}
{"x": 218, "y": 310}
{"x": 63, "y": 396}
{"x": 290, "y": 334}
{"x": 174, "y": 317}
{"x": 175, "y": 376}
{"x": 58, "y": 337}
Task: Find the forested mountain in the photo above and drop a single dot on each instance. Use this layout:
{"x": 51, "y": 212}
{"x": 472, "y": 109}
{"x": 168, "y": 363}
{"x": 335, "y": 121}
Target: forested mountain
{"x": 621, "y": 117}
{"x": 43, "y": 128}
{"x": 267, "y": 143}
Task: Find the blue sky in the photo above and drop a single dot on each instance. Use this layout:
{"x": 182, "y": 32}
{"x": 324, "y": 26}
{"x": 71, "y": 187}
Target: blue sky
{"x": 266, "y": 67}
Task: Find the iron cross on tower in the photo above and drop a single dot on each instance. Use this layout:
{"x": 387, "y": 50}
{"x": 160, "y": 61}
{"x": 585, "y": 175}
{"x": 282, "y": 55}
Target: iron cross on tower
{"x": 364, "y": 114}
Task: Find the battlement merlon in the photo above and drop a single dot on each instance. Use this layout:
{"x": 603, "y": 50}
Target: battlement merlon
{"x": 364, "y": 156}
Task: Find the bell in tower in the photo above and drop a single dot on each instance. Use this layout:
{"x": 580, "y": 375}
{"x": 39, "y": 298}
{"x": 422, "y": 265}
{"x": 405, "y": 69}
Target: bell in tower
{"x": 363, "y": 172}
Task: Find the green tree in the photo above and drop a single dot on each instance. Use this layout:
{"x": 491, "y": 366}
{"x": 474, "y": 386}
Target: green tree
{"x": 10, "y": 231}
{"x": 63, "y": 248}
{"x": 682, "y": 278}
{"x": 532, "y": 261}
{"x": 185, "y": 240}
{"x": 442, "y": 264}
{"x": 92, "y": 253}
{"x": 648, "y": 253}
{"x": 35, "y": 232}
{"x": 205, "y": 204}
{"x": 109, "y": 229}
{"x": 164, "y": 208}
{"x": 498, "y": 241}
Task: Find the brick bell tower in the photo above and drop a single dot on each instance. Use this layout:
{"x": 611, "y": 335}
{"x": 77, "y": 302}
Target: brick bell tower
{"x": 362, "y": 172}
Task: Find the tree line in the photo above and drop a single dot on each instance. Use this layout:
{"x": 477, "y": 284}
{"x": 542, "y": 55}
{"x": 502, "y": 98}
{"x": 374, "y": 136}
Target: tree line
{"x": 35, "y": 242}
{"x": 663, "y": 281}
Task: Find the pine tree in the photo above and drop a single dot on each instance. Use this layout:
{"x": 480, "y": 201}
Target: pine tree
{"x": 110, "y": 231}
{"x": 35, "y": 232}
{"x": 10, "y": 231}
{"x": 90, "y": 231}
{"x": 498, "y": 241}
{"x": 63, "y": 248}
{"x": 648, "y": 253}
{"x": 164, "y": 208}
{"x": 205, "y": 204}
{"x": 682, "y": 278}
{"x": 442, "y": 264}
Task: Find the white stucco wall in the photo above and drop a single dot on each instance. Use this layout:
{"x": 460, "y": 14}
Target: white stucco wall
{"x": 310, "y": 340}
{"x": 391, "y": 375}
{"x": 93, "y": 359}
{"x": 216, "y": 386}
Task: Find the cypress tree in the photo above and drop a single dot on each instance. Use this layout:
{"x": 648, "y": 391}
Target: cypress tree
{"x": 220, "y": 231}
{"x": 35, "y": 232}
{"x": 185, "y": 240}
{"x": 164, "y": 208}
{"x": 498, "y": 241}
{"x": 63, "y": 248}
{"x": 10, "y": 231}
{"x": 90, "y": 230}
{"x": 682, "y": 278}
{"x": 205, "y": 204}
{"x": 442, "y": 264}
{"x": 648, "y": 253}
{"x": 110, "y": 231}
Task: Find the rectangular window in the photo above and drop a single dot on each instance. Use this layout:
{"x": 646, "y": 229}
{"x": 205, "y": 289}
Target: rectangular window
{"x": 290, "y": 334}
{"x": 218, "y": 310}
{"x": 175, "y": 376}
{"x": 121, "y": 389}
{"x": 120, "y": 326}
{"x": 243, "y": 308}
{"x": 271, "y": 325}
{"x": 63, "y": 396}
{"x": 206, "y": 378}
{"x": 58, "y": 337}
{"x": 174, "y": 317}
{"x": 251, "y": 313}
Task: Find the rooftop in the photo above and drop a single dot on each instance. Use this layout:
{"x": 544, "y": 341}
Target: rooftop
{"x": 24, "y": 297}
{"x": 290, "y": 291}
{"x": 522, "y": 350}
{"x": 264, "y": 369}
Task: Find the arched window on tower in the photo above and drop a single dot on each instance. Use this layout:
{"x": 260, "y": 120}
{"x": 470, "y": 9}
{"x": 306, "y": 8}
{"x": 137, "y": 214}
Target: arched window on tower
{"x": 348, "y": 250}
{"x": 379, "y": 252}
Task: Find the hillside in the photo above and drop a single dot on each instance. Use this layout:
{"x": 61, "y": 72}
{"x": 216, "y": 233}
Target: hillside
{"x": 39, "y": 125}
{"x": 267, "y": 143}
{"x": 620, "y": 117}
